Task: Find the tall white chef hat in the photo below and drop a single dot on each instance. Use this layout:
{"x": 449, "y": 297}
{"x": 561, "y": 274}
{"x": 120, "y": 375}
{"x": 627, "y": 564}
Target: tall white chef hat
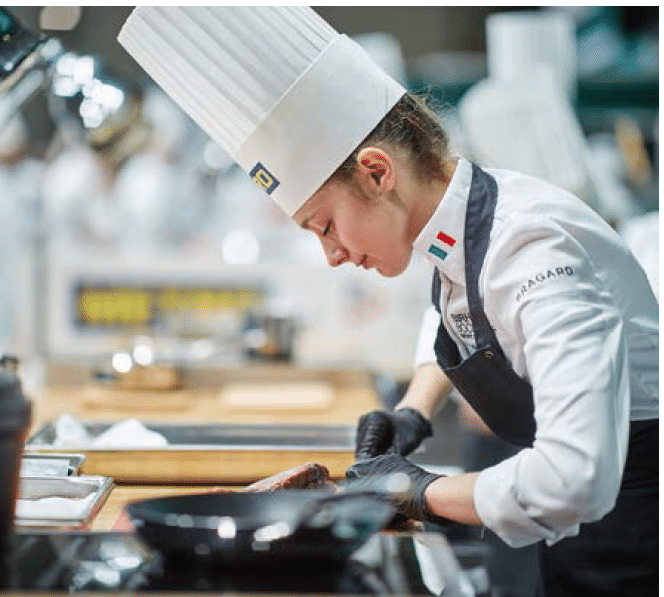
{"x": 287, "y": 96}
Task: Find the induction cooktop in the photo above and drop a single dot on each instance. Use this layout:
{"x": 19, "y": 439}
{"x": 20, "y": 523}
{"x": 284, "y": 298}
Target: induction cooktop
{"x": 82, "y": 561}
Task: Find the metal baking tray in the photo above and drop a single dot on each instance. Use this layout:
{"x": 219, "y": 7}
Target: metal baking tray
{"x": 211, "y": 453}
{"x": 50, "y": 465}
{"x": 61, "y": 502}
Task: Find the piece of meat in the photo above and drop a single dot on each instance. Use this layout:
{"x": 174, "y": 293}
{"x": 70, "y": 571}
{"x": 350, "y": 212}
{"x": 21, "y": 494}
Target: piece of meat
{"x": 222, "y": 490}
{"x": 305, "y": 476}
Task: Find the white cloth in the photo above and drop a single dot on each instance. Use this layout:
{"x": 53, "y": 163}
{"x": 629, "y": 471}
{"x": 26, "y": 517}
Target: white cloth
{"x": 70, "y": 432}
{"x": 577, "y": 318}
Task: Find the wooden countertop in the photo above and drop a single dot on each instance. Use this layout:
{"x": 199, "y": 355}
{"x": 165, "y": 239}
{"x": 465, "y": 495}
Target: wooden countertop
{"x": 199, "y": 402}
{"x": 352, "y": 393}
{"x": 121, "y": 494}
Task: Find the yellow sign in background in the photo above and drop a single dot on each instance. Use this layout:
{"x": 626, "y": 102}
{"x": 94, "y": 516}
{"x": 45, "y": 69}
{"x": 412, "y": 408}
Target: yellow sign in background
{"x": 124, "y": 306}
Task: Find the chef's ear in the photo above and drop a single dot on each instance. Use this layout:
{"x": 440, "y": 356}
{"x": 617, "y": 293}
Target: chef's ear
{"x": 375, "y": 170}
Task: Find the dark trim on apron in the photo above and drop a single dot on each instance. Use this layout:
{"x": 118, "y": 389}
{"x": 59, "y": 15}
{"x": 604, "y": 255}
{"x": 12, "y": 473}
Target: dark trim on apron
{"x": 486, "y": 380}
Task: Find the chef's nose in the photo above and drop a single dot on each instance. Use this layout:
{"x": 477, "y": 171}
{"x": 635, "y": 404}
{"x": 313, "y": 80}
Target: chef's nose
{"x": 336, "y": 255}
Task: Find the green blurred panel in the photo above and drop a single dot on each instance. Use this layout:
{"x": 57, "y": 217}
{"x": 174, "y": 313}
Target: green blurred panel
{"x": 611, "y": 92}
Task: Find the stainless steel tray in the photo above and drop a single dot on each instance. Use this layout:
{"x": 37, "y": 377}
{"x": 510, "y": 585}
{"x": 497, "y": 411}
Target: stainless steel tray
{"x": 50, "y": 465}
{"x": 211, "y": 453}
{"x": 62, "y": 502}
{"x": 250, "y": 436}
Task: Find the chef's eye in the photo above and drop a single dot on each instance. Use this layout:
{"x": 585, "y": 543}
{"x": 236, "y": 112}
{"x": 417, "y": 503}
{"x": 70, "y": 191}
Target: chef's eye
{"x": 326, "y": 229}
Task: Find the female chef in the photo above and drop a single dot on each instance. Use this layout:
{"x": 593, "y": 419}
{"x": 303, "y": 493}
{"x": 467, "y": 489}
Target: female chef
{"x": 540, "y": 316}
{"x": 547, "y": 326}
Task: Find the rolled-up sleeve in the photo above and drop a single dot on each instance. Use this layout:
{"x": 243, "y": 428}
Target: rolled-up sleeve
{"x": 568, "y": 340}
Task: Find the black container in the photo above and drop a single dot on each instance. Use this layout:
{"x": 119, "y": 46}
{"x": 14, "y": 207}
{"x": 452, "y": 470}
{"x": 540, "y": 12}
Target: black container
{"x": 15, "y": 413}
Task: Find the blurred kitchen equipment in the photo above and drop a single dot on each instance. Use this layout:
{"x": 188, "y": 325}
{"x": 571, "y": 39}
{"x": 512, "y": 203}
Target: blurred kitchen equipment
{"x": 15, "y": 416}
{"x": 269, "y": 336}
{"x": 9, "y": 363}
{"x": 139, "y": 369}
{"x": 154, "y": 376}
{"x": 105, "y": 106}
{"x": 18, "y": 51}
{"x": 248, "y": 528}
{"x": 25, "y": 58}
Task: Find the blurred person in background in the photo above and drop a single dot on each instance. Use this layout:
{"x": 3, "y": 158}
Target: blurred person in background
{"x": 20, "y": 185}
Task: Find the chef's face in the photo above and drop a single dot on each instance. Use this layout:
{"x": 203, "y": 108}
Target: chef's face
{"x": 368, "y": 230}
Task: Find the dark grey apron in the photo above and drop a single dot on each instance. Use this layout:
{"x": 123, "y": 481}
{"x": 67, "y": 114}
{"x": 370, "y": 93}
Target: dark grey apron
{"x": 614, "y": 557}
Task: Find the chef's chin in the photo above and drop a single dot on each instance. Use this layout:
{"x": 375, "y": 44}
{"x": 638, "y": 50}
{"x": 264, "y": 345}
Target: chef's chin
{"x": 391, "y": 271}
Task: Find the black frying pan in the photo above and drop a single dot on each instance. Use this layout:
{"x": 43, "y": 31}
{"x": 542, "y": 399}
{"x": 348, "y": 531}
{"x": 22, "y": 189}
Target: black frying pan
{"x": 248, "y": 528}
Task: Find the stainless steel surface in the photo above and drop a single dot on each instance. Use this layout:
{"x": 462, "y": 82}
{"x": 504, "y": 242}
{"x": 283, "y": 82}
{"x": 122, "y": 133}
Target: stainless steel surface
{"x": 61, "y": 502}
{"x": 50, "y": 465}
{"x": 286, "y": 437}
{"x": 197, "y": 453}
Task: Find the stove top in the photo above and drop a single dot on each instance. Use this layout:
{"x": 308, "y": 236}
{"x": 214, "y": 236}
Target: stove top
{"x": 81, "y": 561}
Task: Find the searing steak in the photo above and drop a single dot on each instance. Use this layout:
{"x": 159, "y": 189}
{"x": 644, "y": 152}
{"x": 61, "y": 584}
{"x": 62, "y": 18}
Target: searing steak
{"x": 305, "y": 476}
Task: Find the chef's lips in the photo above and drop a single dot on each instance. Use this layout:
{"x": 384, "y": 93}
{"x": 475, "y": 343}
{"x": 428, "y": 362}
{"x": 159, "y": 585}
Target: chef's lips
{"x": 287, "y": 96}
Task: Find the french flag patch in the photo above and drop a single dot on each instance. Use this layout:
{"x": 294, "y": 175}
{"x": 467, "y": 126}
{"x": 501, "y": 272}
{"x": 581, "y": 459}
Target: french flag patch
{"x": 446, "y": 243}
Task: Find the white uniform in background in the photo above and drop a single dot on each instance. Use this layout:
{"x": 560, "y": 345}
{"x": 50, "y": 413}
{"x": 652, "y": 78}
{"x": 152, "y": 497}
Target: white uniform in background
{"x": 575, "y": 316}
{"x": 20, "y": 179}
{"x": 642, "y": 236}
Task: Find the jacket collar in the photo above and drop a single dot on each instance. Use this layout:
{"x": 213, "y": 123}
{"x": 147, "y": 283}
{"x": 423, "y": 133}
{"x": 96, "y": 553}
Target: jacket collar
{"x": 441, "y": 241}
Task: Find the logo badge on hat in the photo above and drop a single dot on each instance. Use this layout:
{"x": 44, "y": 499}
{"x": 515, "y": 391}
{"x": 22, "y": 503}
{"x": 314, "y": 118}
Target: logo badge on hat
{"x": 262, "y": 177}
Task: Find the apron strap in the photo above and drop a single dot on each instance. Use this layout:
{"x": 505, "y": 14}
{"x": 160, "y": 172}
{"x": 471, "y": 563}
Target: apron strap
{"x": 485, "y": 379}
{"x": 479, "y": 221}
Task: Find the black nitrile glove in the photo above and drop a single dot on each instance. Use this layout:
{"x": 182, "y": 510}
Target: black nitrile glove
{"x": 381, "y": 432}
{"x": 398, "y": 479}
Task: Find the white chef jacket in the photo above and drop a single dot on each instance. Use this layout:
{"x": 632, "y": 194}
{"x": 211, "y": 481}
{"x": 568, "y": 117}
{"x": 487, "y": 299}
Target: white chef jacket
{"x": 575, "y": 316}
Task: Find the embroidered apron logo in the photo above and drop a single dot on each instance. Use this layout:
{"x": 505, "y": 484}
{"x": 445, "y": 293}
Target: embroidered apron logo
{"x": 543, "y": 277}
{"x": 446, "y": 240}
{"x": 464, "y": 325}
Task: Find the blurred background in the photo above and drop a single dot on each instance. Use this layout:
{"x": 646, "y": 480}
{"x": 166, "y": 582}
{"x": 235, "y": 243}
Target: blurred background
{"x": 123, "y": 221}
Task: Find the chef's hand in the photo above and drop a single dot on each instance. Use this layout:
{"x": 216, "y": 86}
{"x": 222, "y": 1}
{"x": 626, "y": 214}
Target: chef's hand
{"x": 399, "y": 479}
{"x": 381, "y": 432}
